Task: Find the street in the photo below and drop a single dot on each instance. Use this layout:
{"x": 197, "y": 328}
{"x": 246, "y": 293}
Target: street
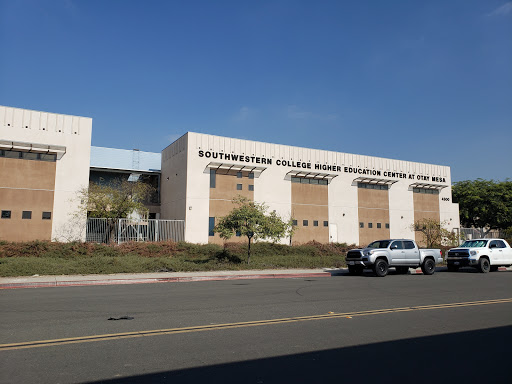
{"x": 449, "y": 327}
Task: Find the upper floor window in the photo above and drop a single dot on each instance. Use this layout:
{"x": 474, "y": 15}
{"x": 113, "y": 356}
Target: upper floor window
{"x": 426, "y": 191}
{"x": 6, "y": 214}
{"x": 213, "y": 178}
{"x": 373, "y": 186}
{"x": 47, "y": 215}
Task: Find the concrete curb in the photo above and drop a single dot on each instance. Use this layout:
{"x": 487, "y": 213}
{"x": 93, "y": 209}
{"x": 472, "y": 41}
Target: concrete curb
{"x": 77, "y": 281}
{"x": 180, "y": 279}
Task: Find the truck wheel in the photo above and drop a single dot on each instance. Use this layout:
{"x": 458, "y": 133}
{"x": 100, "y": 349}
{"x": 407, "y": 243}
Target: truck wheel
{"x": 380, "y": 267}
{"x": 428, "y": 267}
{"x": 355, "y": 270}
{"x": 483, "y": 265}
{"x": 452, "y": 268}
{"x": 402, "y": 270}
{"x": 494, "y": 268}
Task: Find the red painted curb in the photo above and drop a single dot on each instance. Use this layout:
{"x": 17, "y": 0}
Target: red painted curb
{"x": 159, "y": 280}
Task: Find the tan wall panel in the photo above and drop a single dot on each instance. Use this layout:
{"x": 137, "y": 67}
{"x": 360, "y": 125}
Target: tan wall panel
{"x": 221, "y": 200}
{"x": 18, "y": 229}
{"x": 32, "y": 174}
{"x": 309, "y": 194}
{"x": 373, "y": 208}
{"x": 310, "y": 202}
{"x": 426, "y": 206}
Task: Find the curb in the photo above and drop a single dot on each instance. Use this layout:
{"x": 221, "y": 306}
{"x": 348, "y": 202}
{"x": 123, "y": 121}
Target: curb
{"x": 184, "y": 279}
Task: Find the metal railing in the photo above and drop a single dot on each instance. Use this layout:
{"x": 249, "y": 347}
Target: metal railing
{"x": 104, "y": 230}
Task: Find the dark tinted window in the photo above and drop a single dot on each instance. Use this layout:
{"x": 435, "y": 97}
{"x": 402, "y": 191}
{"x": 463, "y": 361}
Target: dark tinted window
{"x": 251, "y": 187}
{"x": 26, "y": 215}
{"x": 326, "y": 223}
{"x": 305, "y": 223}
{"x": 47, "y": 215}
{"x": 501, "y": 244}
{"x": 251, "y": 175}
{"x": 379, "y": 225}
{"x": 370, "y": 225}
{"x": 239, "y": 175}
{"x": 379, "y": 244}
{"x": 361, "y": 225}
{"x": 6, "y": 214}
{"x": 409, "y": 245}
{"x": 294, "y": 222}
{"x": 315, "y": 223}
{"x": 211, "y": 225}
{"x": 239, "y": 187}
{"x": 212, "y": 178}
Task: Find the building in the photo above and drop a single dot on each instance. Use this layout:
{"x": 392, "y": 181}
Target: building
{"x": 332, "y": 196}
{"x": 109, "y": 164}
{"x": 44, "y": 161}
{"x": 47, "y": 158}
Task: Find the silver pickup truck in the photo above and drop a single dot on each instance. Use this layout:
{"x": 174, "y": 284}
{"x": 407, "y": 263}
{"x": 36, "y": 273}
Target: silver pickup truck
{"x": 399, "y": 253}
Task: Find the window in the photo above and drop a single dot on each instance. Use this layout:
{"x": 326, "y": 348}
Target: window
{"x": 305, "y": 180}
{"x": 372, "y": 186}
{"x": 6, "y": 214}
{"x": 48, "y": 157}
{"x": 238, "y": 233}
{"x": 426, "y": 191}
{"x": 408, "y": 245}
{"x": 26, "y": 215}
{"x": 213, "y": 173}
{"x": 12, "y": 154}
{"x": 47, "y": 215}
{"x": 305, "y": 223}
{"x": 361, "y": 225}
{"x": 501, "y": 244}
{"x": 397, "y": 245}
{"x": 239, "y": 175}
{"x": 30, "y": 155}
{"x": 239, "y": 187}
{"x": 251, "y": 187}
{"x": 370, "y": 225}
{"x": 326, "y": 223}
{"x": 211, "y": 225}
{"x": 315, "y": 223}
{"x": 379, "y": 225}
{"x": 294, "y": 222}
{"x": 387, "y": 225}
{"x": 251, "y": 175}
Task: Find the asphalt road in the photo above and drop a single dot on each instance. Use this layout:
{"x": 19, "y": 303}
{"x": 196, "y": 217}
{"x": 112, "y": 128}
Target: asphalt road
{"x": 449, "y": 327}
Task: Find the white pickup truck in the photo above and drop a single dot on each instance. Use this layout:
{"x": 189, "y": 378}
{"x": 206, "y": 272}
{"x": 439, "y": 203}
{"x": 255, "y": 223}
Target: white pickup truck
{"x": 484, "y": 254}
{"x": 399, "y": 253}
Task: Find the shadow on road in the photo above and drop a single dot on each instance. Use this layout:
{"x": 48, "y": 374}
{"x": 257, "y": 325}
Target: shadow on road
{"x": 481, "y": 356}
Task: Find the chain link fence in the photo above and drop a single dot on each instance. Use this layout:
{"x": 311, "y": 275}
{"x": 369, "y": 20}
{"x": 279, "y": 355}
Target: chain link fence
{"x": 118, "y": 231}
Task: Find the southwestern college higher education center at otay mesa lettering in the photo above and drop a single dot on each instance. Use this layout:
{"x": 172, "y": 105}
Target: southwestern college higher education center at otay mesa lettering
{"x": 46, "y": 158}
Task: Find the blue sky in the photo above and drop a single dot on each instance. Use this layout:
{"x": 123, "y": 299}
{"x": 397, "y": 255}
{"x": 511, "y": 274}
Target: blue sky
{"x": 427, "y": 81}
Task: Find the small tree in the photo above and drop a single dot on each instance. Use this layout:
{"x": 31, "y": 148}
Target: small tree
{"x": 251, "y": 220}
{"x": 434, "y": 233}
{"x": 116, "y": 200}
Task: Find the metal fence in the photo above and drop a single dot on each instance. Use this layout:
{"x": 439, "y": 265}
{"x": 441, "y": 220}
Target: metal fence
{"x": 479, "y": 233}
{"x": 123, "y": 230}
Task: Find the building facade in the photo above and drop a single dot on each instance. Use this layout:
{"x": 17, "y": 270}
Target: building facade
{"x": 331, "y": 196}
{"x": 44, "y": 162}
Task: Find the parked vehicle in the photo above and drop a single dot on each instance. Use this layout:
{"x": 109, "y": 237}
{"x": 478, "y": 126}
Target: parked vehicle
{"x": 399, "y": 253}
{"x": 483, "y": 254}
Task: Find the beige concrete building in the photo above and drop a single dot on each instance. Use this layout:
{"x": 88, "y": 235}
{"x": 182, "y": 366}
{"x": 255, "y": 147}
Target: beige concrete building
{"x": 332, "y": 196}
{"x": 44, "y": 162}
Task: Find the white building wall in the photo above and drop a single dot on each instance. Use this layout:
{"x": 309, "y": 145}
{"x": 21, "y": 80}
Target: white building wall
{"x": 72, "y": 169}
{"x": 274, "y": 188}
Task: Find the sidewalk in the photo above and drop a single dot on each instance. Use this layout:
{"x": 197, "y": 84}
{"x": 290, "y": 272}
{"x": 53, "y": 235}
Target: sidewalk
{"x": 37, "y": 281}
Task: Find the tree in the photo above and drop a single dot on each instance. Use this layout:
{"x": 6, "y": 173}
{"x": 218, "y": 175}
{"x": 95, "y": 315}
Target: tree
{"x": 484, "y": 204}
{"x": 117, "y": 200}
{"x": 251, "y": 220}
{"x": 434, "y": 233}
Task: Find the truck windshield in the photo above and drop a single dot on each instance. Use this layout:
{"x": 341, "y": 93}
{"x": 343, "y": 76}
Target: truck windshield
{"x": 474, "y": 244}
{"x": 379, "y": 244}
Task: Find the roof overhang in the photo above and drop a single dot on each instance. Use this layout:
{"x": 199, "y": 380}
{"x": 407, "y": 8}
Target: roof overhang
{"x": 312, "y": 175}
{"x": 373, "y": 180}
{"x": 58, "y": 150}
{"x": 427, "y": 186}
{"x": 226, "y": 168}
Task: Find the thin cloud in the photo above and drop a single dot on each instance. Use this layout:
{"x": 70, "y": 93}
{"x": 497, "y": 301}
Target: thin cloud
{"x": 503, "y": 10}
{"x": 242, "y": 115}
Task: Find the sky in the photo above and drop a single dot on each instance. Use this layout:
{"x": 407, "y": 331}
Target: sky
{"x": 427, "y": 81}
